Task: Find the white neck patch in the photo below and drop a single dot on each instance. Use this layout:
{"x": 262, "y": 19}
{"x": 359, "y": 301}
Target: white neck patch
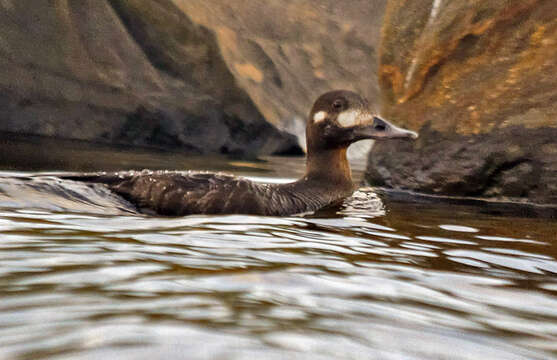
{"x": 349, "y": 118}
{"x": 319, "y": 116}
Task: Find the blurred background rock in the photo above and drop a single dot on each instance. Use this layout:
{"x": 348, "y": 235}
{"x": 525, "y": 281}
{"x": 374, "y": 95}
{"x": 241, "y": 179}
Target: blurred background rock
{"x": 476, "y": 78}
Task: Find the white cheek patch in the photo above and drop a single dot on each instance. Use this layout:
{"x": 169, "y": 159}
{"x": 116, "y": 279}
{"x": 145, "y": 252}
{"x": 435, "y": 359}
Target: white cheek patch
{"x": 349, "y": 118}
{"x": 320, "y": 116}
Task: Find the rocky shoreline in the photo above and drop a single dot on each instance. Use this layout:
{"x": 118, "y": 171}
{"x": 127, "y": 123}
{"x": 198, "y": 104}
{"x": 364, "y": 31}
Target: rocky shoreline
{"x": 476, "y": 79}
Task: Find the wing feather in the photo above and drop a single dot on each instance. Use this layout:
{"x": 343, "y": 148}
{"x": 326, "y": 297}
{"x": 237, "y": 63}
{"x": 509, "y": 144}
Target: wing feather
{"x": 182, "y": 193}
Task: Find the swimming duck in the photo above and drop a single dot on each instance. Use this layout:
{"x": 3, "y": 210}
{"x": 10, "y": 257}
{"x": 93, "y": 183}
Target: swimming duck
{"x": 337, "y": 119}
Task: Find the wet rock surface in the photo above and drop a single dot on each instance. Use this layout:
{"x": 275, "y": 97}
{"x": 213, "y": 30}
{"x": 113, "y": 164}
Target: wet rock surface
{"x": 477, "y": 79}
{"x": 482, "y": 165}
{"x": 124, "y": 72}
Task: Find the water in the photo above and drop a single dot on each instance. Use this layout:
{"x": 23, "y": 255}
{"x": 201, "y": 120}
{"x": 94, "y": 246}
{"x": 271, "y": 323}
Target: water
{"x": 373, "y": 279}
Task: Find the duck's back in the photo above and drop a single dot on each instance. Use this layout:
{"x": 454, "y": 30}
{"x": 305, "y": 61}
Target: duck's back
{"x": 184, "y": 193}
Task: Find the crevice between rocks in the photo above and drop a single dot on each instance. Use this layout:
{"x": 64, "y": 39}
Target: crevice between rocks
{"x": 492, "y": 178}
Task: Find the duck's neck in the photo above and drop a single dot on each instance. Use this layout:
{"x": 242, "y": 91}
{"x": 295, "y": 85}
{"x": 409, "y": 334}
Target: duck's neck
{"x": 329, "y": 167}
{"x": 327, "y": 181}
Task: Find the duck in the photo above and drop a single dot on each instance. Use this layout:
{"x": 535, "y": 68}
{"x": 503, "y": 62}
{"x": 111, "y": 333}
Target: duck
{"x": 337, "y": 119}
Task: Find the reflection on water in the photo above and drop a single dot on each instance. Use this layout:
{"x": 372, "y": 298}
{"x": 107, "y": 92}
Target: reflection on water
{"x": 374, "y": 279}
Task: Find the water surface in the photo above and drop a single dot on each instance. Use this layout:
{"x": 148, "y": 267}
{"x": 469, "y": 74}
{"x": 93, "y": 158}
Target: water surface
{"x": 373, "y": 279}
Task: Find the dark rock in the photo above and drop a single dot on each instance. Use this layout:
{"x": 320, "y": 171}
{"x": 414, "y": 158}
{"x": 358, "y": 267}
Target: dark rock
{"x": 129, "y": 72}
{"x": 477, "y": 79}
{"x": 482, "y": 165}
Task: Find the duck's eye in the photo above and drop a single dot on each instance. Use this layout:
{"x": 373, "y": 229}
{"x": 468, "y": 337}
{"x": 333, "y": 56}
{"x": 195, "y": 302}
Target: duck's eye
{"x": 337, "y": 104}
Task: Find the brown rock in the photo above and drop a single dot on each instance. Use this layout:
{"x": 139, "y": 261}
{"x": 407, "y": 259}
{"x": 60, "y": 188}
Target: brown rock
{"x": 477, "y": 79}
{"x": 123, "y": 72}
{"x": 286, "y": 53}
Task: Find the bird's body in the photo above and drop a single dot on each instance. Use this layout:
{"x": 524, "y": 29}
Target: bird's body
{"x": 337, "y": 119}
{"x": 178, "y": 193}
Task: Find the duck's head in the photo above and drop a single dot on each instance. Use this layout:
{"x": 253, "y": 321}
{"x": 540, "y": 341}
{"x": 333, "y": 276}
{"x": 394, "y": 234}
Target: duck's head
{"x": 340, "y": 118}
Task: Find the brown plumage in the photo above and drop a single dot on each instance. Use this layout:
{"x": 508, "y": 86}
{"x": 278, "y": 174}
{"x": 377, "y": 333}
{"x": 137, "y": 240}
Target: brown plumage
{"x": 183, "y": 193}
{"x": 337, "y": 119}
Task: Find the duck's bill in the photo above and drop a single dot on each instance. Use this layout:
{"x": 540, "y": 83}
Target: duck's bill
{"x": 379, "y": 128}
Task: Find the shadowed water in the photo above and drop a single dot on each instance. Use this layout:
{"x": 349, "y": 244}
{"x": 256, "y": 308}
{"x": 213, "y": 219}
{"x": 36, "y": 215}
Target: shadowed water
{"x": 373, "y": 279}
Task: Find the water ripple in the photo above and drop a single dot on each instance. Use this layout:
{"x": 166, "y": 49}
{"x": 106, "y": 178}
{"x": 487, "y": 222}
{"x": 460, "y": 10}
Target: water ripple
{"x": 411, "y": 283}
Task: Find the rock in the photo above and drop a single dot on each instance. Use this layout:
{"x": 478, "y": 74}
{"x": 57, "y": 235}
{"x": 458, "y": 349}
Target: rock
{"x": 130, "y": 72}
{"x": 286, "y": 53}
{"x": 477, "y": 79}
